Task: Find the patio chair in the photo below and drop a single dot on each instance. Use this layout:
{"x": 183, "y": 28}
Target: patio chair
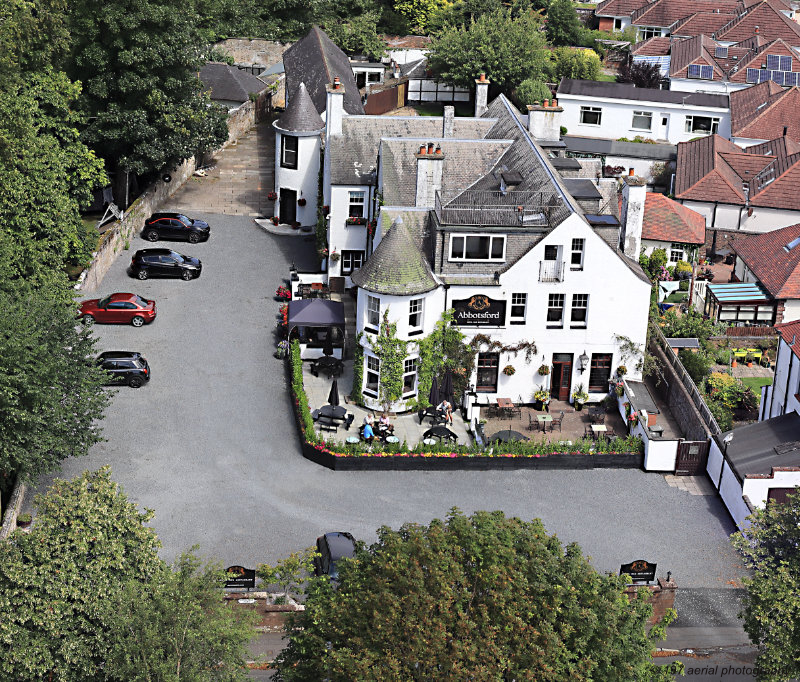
{"x": 588, "y": 432}
{"x": 533, "y": 424}
{"x": 557, "y": 421}
{"x": 315, "y": 415}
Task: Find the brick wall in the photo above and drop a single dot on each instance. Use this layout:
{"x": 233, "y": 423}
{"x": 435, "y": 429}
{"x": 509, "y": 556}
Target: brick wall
{"x": 662, "y": 597}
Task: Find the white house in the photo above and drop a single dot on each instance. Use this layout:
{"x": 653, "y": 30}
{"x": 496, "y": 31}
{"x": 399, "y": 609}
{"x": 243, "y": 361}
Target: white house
{"x": 617, "y": 110}
{"x": 783, "y": 396}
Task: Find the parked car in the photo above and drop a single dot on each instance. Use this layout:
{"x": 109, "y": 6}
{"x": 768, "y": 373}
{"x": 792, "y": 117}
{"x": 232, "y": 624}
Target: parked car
{"x": 175, "y": 226}
{"x": 164, "y": 263}
{"x": 125, "y": 367}
{"x": 332, "y": 547}
{"x": 118, "y": 309}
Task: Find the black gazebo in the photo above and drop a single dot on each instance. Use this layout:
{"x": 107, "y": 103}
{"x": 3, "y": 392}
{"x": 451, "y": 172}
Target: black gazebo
{"x": 313, "y": 321}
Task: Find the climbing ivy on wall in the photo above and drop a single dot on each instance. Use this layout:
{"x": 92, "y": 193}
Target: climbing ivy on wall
{"x": 485, "y": 343}
{"x": 358, "y": 372}
{"x": 442, "y": 350}
{"x": 391, "y": 352}
{"x": 322, "y": 224}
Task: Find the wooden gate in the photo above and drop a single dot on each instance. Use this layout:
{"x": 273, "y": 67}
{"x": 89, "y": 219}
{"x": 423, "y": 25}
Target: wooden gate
{"x": 692, "y": 457}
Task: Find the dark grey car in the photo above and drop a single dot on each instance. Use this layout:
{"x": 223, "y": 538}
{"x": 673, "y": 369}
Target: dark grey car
{"x": 164, "y": 263}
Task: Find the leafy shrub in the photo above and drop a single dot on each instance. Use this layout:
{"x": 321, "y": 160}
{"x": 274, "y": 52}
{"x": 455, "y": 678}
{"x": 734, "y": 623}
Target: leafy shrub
{"x": 722, "y": 414}
{"x": 683, "y": 285}
{"x": 532, "y": 90}
{"x": 697, "y": 364}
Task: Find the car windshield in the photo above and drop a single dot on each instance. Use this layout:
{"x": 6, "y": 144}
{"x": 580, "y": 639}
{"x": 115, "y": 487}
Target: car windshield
{"x": 177, "y": 256}
{"x": 184, "y": 220}
{"x": 103, "y": 302}
{"x": 142, "y": 303}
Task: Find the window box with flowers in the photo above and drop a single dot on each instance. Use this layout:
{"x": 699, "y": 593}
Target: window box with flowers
{"x": 356, "y": 220}
{"x": 272, "y": 196}
{"x": 509, "y": 370}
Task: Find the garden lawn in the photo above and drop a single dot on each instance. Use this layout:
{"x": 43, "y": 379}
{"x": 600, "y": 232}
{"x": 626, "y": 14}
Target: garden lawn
{"x": 755, "y": 383}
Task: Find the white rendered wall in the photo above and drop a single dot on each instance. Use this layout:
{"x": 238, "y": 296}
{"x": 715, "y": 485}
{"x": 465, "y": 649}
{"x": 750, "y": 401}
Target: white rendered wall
{"x": 699, "y": 85}
{"x": 304, "y": 179}
{"x": 406, "y": 56}
{"x": 617, "y": 118}
{"x": 341, "y": 236}
{"x": 791, "y": 310}
{"x": 779, "y": 400}
{"x": 659, "y": 454}
{"x": 757, "y": 489}
{"x": 729, "y": 217}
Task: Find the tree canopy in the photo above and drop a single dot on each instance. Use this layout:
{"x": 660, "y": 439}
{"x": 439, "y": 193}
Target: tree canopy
{"x": 771, "y": 613}
{"x": 564, "y": 27}
{"x": 480, "y": 597}
{"x": 641, "y": 74}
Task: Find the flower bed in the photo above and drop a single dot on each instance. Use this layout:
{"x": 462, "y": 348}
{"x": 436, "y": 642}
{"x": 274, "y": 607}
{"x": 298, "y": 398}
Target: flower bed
{"x": 582, "y": 454}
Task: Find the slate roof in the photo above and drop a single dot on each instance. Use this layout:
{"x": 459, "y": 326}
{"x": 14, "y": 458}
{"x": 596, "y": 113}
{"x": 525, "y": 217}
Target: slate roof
{"x": 618, "y": 8}
{"x": 354, "y": 153}
{"x": 771, "y": 23}
{"x": 766, "y": 256}
{"x": 790, "y": 332}
{"x": 300, "y": 114}
{"x": 315, "y": 60}
{"x": 396, "y": 267}
{"x": 666, "y": 220}
{"x": 761, "y": 111}
{"x": 229, "y": 83}
{"x": 752, "y": 450}
{"x": 667, "y": 12}
{"x": 627, "y": 91}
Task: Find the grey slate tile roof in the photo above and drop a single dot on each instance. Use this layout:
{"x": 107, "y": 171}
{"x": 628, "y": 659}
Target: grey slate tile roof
{"x": 464, "y": 162}
{"x": 396, "y": 267}
{"x": 229, "y": 83}
{"x": 354, "y": 153}
{"x": 300, "y": 114}
{"x": 315, "y": 60}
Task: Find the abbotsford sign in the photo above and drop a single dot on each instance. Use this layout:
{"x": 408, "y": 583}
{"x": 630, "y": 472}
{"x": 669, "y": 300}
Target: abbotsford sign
{"x": 480, "y": 311}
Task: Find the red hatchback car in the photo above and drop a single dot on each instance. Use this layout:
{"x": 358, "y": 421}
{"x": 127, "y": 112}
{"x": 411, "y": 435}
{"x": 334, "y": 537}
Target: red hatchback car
{"x": 118, "y": 309}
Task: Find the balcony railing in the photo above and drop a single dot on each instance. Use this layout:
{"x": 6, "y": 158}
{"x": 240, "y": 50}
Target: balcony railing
{"x": 551, "y": 271}
{"x": 493, "y": 208}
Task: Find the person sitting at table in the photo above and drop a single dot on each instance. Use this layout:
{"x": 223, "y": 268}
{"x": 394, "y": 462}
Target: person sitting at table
{"x": 446, "y": 410}
{"x": 368, "y": 433}
{"x": 385, "y": 425}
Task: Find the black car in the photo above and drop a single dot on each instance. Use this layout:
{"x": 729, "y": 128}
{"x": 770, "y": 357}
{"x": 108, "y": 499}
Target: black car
{"x": 175, "y": 226}
{"x": 164, "y": 263}
{"x": 124, "y": 367}
{"x": 333, "y": 547}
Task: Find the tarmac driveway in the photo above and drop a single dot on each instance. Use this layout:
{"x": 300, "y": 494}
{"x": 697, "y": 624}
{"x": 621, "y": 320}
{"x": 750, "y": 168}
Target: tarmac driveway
{"x": 210, "y": 443}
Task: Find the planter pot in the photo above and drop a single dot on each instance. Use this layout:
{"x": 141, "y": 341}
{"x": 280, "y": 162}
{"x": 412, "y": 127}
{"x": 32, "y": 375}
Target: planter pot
{"x": 749, "y": 364}
{"x": 734, "y": 363}
{"x": 537, "y": 405}
{"x": 578, "y": 406}
{"x": 301, "y": 202}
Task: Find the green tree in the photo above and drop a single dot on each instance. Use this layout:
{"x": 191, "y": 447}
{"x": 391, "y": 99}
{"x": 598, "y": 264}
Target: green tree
{"x": 138, "y": 61}
{"x": 444, "y": 350}
{"x": 771, "y": 607}
{"x": 177, "y": 626}
{"x": 51, "y": 394}
{"x": 530, "y": 91}
{"x": 419, "y": 12}
{"x": 357, "y": 35}
{"x": 480, "y": 597}
{"x": 697, "y": 364}
{"x": 509, "y": 50}
{"x": 573, "y": 63}
{"x": 291, "y": 573}
{"x": 57, "y": 580}
{"x": 563, "y": 24}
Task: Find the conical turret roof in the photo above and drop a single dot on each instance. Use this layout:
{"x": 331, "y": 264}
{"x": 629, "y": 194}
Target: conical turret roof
{"x": 396, "y": 267}
{"x": 301, "y": 115}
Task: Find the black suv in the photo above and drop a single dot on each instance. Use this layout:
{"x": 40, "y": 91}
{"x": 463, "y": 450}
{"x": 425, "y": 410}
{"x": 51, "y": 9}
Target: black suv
{"x": 333, "y": 547}
{"x": 175, "y": 226}
{"x": 164, "y": 263}
{"x": 124, "y": 367}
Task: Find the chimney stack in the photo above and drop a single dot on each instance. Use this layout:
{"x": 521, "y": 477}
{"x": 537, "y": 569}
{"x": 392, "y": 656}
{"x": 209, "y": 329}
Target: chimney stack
{"x": 334, "y": 107}
{"x": 634, "y": 194}
{"x": 449, "y": 116}
{"x": 430, "y": 163}
{"x": 395, "y": 70}
{"x": 544, "y": 121}
{"x": 481, "y": 95}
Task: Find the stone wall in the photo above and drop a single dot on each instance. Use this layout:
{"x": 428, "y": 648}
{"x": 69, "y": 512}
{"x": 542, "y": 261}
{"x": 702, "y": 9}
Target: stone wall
{"x": 12, "y": 509}
{"x": 662, "y": 597}
{"x": 253, "y": 52}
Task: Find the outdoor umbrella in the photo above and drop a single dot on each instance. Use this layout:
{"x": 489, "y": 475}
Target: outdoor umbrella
{"x": 506, "y": 436}
{"x": 333, "y": 396}
{"x": 327, "y": 349}
{"x": 447, "y": 387}
{"x": 433, "y": 396}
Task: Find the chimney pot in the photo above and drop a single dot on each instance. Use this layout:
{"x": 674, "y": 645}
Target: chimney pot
{"x": 630, "y": 172}
{"x": 438, "y": 149}
{"x": 430, "y": 147}
{"x": 546, "y": 103}
{"x": 483, "y": 75}
{"x": 423, "y": 149}
{"x": 756, "y": 29}
{"x": 554, "y": 103}
{"x": 336, "y": 82}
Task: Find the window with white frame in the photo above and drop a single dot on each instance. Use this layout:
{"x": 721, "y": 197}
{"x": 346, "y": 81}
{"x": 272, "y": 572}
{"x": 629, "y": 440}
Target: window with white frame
{"x": 617, "y": 24}
{"x": 288, "y": 151}
{"x": 477, "y": 247}
{"x": 373, "y": 77}
{"x": 555, "y": 311}
{"x": 576, "y": 259}
{"x": 675, "y": 252}
{"x": 702, "y": 125}
{"x": 356, "y": 207}
{"x": 642, "y": 120}
{"x": 415, "y": 313}
{"x": 591, "y": 116}
{"x": 580, "y": 308}
{"x": 647, "y": 32}
{"x": 351, "y": 260}
{"x": 373, "y": 311}
{"x": 410, "y": 376}
{"x": 519, "y": 305}
{"x": 373, "y": 374}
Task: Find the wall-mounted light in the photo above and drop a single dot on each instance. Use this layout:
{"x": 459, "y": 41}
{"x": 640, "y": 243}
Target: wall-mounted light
{"x": 583, "y": 362}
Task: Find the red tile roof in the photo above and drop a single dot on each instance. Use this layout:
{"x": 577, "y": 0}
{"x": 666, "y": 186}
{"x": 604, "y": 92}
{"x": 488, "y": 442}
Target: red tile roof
{"x": 618, "y": 8}
{"x": 666, "y": 220}
{"x": 653, "y": 47}
{"x": 700, "y": 174}
{"x": 777, "y": 269}
{"x": 667, "y": 12}
{"x": 702, "y": 23}
{"x": 755, "y": 58}
{"x": 770, "y": 22}
{"x": 761, "y": 112}
{"x": 697, "y": 50}
{"x": 790, "y": 332}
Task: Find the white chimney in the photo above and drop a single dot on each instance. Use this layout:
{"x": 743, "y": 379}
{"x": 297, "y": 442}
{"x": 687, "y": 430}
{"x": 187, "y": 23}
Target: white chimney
{"x": 395, "y": 70}
{"x": 449, "y": 115}
{"x": 334, "y": 108}
{"x": 430, "y": 162}
{"x": 634, "y": 193}
{"x": 544, "y": 121}
{"x": 481, "y": 95}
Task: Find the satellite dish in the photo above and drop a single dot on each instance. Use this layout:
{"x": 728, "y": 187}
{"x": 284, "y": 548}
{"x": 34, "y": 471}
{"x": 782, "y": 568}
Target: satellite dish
{"x": 166, "y": 177}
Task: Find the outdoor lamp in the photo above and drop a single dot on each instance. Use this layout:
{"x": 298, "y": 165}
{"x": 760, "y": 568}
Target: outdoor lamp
{"x": 727, "y": 440}
{"x": 583, "y": 362}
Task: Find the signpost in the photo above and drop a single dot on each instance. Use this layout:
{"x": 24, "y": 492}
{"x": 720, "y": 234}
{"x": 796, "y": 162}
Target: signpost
{"x": 480, "y": 311}
{"x": 640, "y": 571}
{"x": 243, "y": 577}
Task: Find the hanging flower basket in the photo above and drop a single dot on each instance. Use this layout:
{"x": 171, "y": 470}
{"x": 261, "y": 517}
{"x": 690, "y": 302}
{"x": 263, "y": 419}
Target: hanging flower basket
{"x": 622, "y": 370}
{"x": 335, "y": 257}
{"x": 509, "y": 370}
{"x": 301, "y": 202}
{"x": 272, "y": 196}
{"x": 544, "y": 370}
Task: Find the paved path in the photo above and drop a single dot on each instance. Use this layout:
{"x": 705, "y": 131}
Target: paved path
{"x": 243, "y": 175}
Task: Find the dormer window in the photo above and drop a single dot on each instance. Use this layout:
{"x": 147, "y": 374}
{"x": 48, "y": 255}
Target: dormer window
{"x": 473, "y": 247}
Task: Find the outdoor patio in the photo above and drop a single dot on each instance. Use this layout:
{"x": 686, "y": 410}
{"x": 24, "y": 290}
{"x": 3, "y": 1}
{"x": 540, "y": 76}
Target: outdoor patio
{"x": 572, "y": 429}
{"x": 406, "y": 426}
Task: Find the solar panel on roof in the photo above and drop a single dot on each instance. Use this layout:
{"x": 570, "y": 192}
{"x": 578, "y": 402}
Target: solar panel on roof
{"x": 786, "y": 63}
{"x": 721, "y": 52}
{"x": 777, "y": 76}
{"x": 707, "y": 72}
{"x": 792, "y": 244}
{"x": 773, "y": 62}
{"x": 694, "y": 71}
{"x": 752, "y": 76}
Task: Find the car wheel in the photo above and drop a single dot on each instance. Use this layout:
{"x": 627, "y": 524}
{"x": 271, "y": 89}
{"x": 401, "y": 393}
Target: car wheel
{"x": 135, "y": 382}
{"x": 152, "y": 236}
{"x": 194, "y": 237}
{"x": 142, "y": 274}
{"x": 186, "y": 275}
{"x": 87, "y": 319}
{"x": 137, "y": 321}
